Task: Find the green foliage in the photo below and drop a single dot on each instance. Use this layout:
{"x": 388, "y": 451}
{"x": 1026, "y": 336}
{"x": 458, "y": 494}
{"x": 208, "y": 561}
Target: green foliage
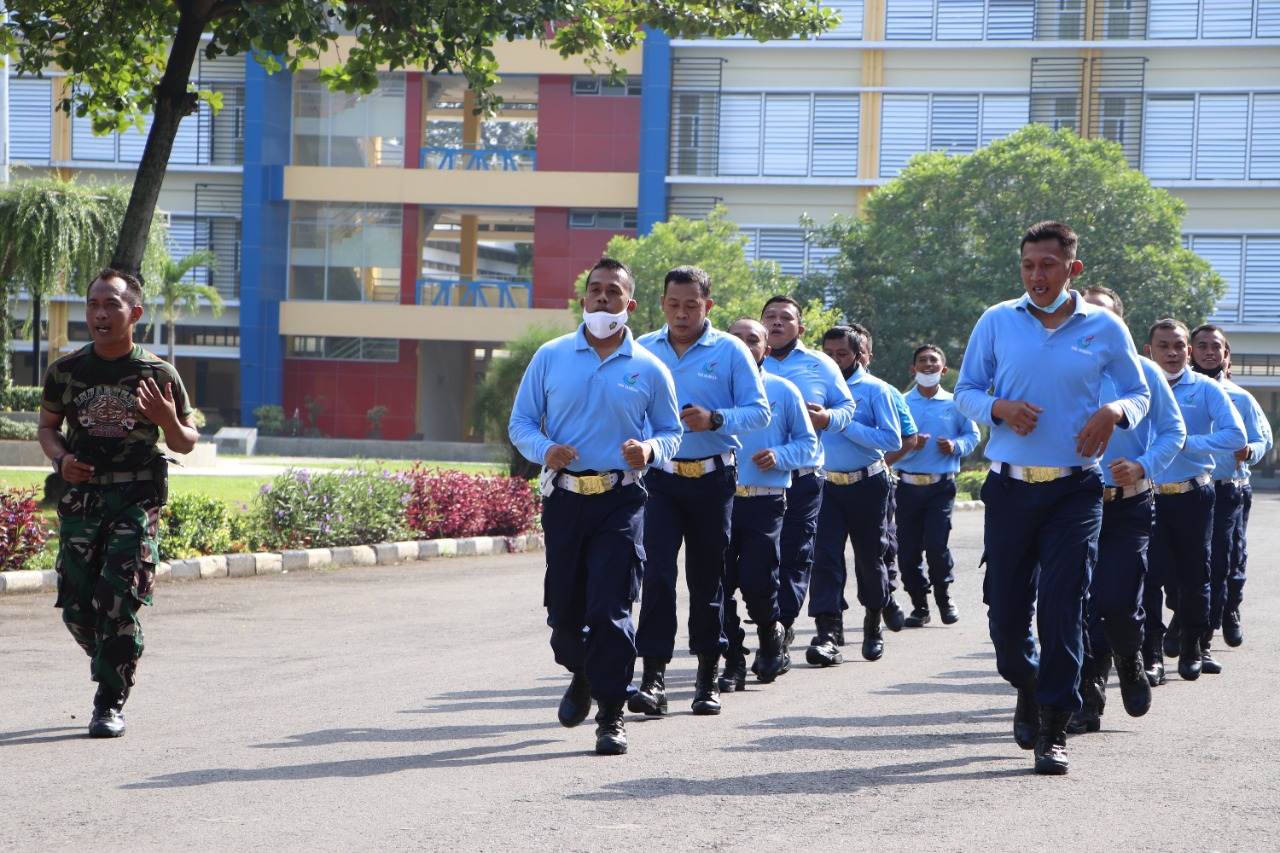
{"x": 496, "y": 393}
{"x": 969, "y": 484}
{"x": 939, "y": 244}
{"x": 270, "y": 419}
{"x": 21, "y": 430}
{"x": 179, "y": 295}
{"x": 22, "y": 535}
{"x": 198, "y": 419}
{"x": 375, "y": 416}
{"x": 21, "y": 398}
{"x": 195, "y": 525}
{"x": 356, "y": 506}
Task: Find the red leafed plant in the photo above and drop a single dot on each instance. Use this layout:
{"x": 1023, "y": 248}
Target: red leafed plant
{"x": 21, "y": 536}
{"x": 453, "y": 505}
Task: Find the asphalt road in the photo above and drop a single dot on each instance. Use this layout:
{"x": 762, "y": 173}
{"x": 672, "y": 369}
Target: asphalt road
{"x": 413, "y": 708}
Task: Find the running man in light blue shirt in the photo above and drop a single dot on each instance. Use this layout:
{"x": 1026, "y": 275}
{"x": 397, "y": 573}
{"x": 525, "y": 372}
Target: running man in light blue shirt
{"x": 764, "y": 473}
{"x": 1183, "y": 535}
{"x": 830, "y": 408}
{"x": 691, "y": 497}
{"x": 926, "y": 492}
{"x": 1033, "y": 371}
{"x": 609, "y": 409}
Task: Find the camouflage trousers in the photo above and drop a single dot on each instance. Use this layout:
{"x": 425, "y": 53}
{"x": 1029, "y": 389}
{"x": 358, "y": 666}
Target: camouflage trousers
{"x": 107, "y": 571}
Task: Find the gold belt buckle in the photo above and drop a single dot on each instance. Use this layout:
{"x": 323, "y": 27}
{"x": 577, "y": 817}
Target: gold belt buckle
{"x": 1111, "y": 493}
{"x": 918, "y": 479}
{"x": 596, "y": 484}
{"x": 1170, "y": 488}
{"x": 838, "y": 478}
{"x": 1039, "y": 473}
{"x": 742, "y": 492}
{"x": 689, "y": 468}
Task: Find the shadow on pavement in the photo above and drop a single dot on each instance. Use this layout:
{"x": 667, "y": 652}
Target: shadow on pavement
{"x": 827, "y": 782}
{"x": 27, "y": 738}
{"x": 941, "y": 718}
{"x": 327, "y": 737}
{"x": 353, "y": 769}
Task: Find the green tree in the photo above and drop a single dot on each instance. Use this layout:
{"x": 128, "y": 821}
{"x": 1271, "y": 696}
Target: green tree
{"x": 54, "y": 235}
{"x": 132, "y": 57}
{"x": 180, "y": 295}
{"x": 939, "y": 244}
{"x": 496, "y": 395}
{"x": 739, "y": 288}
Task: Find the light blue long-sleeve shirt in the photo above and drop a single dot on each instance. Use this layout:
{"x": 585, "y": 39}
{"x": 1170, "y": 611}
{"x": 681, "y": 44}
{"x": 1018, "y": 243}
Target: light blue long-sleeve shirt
{"x": 938, "y": 417}
{"x": 1155, "y": 441}
{"x": 1061, "y": 370}
{"x": 819, "y": 381}
{"x": 875, "y": 427}
{"x": 1257, "y": 433}
{"x": 906, "y": 420}
{"x": 595, "y": 405}
{"x": 790, "y": 435}
{"x": 718, "y": 373}
{"x": 1213, "y": 426}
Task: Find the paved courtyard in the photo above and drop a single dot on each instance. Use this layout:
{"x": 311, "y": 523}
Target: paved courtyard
{"x": 413, "y": 707}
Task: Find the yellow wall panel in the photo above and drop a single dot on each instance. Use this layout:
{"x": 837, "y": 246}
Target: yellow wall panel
{"x": 416, "y": 322}
{"x": 461, "y": 188}
{"x": 515, "y": 57}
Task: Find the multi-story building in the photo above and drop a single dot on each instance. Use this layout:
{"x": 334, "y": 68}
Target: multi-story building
{"x": 392, "y": 242}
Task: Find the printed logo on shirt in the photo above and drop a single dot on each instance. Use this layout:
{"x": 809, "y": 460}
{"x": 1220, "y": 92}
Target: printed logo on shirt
{"x": 709, "y": 368}
{"x": 629, "y": 382}
{"x": 107, "y": 411}
{"x": 812, "y": 367}
{"x": 773, "y": 406}
{"x": 1083, "y": 344}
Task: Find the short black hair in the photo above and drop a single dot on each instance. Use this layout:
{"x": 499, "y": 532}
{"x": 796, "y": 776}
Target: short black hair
{"x": 847, "y": 333}
{"x": 689, "y": 275}
{"x": 1099, "y": 290}
{"x": 784, "y": 298}
{"x": 862, "y": 332}
{"x": 1207, "y": 327}
{"x": 929, "y": 348}
{"x": 607, "y": 263}
{"x": 1167, "y": 323}
{"x": 132, "y": 284}
{"x": 1050, "y": 230}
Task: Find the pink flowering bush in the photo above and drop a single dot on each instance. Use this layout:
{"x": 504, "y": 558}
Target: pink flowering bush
{"x": 21, "y": 534}
{"x": 452, "y": 505}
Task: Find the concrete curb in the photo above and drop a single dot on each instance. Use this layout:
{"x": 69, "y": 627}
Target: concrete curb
{"x": 282, "y": 562}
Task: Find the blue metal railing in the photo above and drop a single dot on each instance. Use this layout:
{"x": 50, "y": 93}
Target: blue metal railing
{"x": 479, "y": 159}
{"x": 477, "y": 292}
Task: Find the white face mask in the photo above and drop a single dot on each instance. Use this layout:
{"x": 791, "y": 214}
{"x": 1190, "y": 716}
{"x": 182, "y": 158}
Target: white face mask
{"x": 928, "y": 380}
{"x": 602, "y": 324}
{"x": 1173, "y": 377}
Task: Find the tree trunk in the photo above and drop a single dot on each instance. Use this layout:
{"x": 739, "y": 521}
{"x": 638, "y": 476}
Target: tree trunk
{"x": 169, "y": 328}
{"x": 172, "y": 102}
{"x": 35, "y": 340}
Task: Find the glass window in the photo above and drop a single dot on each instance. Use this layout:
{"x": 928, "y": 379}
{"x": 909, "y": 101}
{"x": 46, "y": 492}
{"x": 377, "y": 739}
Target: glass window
{"x": 1167, "y": 137}
{"x": 787, "y": 127}
{"x": 344, "y": 129}
{"x": 343, "y": 252}
{"x": 740, "y": 121}
{"x": 30, "y": 119}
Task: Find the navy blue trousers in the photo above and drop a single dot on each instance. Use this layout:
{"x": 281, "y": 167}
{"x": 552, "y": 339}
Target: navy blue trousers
{"x": 594, "y": 563}
{"x": 1178, "y": 561}
{"x": 1235, "y": 581}
{"x": 1114, "y": 612}
{"x": 924, "y": 534}
{"x": 799, "y": 528}
{"x": 695, "y": 512}
{"x": 889, "y": 539}
{"x": 1228, "y": 516}
{"x": 751, "y": 564}
{"x": 1041, "y": 543}
{"x": 854, "y": 512}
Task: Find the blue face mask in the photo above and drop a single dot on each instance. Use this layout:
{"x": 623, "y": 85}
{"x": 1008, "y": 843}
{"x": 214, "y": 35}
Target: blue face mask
{"x": 1053, "y": 306}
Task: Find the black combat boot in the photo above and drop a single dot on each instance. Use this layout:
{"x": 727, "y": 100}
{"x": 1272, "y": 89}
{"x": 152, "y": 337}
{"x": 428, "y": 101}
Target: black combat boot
{"x": 576, "y": 703}
{"x": 892, "y": 614}
{"x": 919, "y": 610}
{"x": 872, "y": 637}
{"x": 734, "y": 677}
{"x": 1232, "y": 631}
{"x": 837, "y": 630}
{"x": 1189, "y": 657}
{"x": 773, "y": 659}
{"x": 1088, "y": 718}
{"x": 1208, "y": 665}
{"x": 108, "y": 712}
{"x": 823, "y": 650}
{"x": 611, "y": 732}
{"x": 1135, "y": 685}
{"x": 1026, "y": 717}
{"x": 1051, "y": 745}
{"x": 706, "y": 696}
{"x": 651, "y": 699}
{"x": 1153, "y": 659}
{"x": 946, "y": 607}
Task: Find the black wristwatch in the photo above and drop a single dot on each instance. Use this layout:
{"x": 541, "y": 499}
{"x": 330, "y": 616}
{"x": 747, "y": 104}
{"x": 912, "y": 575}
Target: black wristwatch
{"x": 717, "y": 420}
{"x": 57, "y": 463}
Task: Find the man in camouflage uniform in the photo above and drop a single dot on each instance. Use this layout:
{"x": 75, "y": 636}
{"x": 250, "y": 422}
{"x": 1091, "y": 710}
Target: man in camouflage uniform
{"x": 113, "y": 398}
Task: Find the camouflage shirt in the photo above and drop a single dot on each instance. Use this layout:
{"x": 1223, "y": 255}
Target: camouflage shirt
{"x": 98, "y": 399}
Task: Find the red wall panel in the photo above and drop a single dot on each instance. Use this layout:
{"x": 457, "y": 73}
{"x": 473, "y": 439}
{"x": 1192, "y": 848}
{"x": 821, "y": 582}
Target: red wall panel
{"x": 351, "y": 388}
